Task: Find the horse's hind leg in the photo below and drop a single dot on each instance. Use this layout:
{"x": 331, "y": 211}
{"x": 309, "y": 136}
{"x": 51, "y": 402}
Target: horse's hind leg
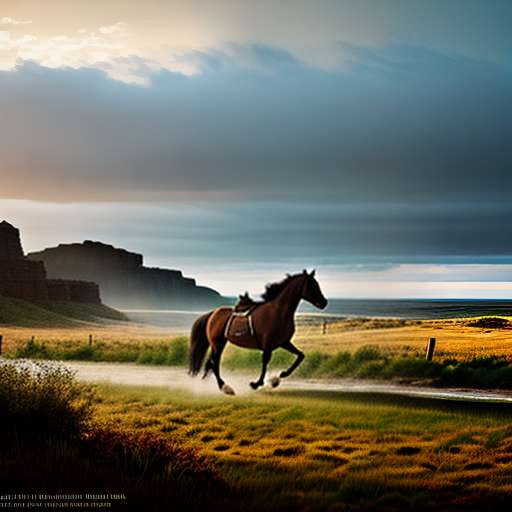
{"x": 215, "y": 365}
{"x": 294, "y": 350}
{"x": 208, "y": 367}
{"x": 267, "y": 354}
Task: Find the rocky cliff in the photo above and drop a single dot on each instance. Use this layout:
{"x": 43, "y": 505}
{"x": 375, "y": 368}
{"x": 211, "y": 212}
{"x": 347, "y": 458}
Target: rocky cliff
{"x": 25, "y": 279}
{"x": 124, "y": 280}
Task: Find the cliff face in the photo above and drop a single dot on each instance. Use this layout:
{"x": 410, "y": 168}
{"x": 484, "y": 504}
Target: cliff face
{"x": 123, "y": 279}
{"x": 19, "y": 278}
{"x": 10, "y": 243}
{"x": 61, "y": 290}
{"x": 25, "y": 279}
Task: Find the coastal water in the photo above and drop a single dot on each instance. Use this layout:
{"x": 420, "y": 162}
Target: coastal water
{"x": 418, "y": 309}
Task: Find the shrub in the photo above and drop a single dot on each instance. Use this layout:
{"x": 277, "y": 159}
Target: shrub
{"x": 457, "y": 375}
{"x": 486, "y": 362}
{"x": 312, "y": 363}
{"x": 490, "y": 322}
{"x": 42, "y": 397}
{"x": 174, "y": 353}
{"x": 504, "y": 377}
{"x": 371, "y": 370}
{"x": 48, "y": 441}
{"x": 178, "y": 351}
{"x": 339, "y": 364}
{"x": 412, "y": 367}
{"x": 32, "y": 350}
{"x": 83, "y": 353}
{"x": 153, "y": 355}
{"x": 367, "y": 353}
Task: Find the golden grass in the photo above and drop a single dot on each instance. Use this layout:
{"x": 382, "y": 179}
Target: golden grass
{"x": 119, "y": 332}
{"x": 454, "y": 337}
{"x": 297, "y": 445}
{"x": 116, "y": 336}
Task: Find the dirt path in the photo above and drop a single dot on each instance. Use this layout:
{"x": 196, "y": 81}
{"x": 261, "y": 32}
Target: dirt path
{"x": 176, "y": 377}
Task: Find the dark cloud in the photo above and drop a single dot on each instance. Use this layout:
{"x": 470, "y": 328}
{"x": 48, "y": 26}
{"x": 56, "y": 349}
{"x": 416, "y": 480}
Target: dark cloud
{"x": 401, "y": 156}
{"x": 401, "y": 124}
{"x": 286, "y": 234}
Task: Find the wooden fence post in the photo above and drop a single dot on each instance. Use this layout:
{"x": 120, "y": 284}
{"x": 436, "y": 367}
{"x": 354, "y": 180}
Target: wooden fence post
{"x": 324, "y": 327}
{"x": 430, "y": 349}
{"x": 1, "y": 340}
{"x": 90, "y": 340}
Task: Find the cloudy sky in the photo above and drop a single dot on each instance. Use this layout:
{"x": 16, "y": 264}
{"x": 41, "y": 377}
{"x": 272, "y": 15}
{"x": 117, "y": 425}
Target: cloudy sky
{"x": 239, "y": 140}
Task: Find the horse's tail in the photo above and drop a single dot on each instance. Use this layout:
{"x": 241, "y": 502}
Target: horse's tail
{"x": 198, "y": 344}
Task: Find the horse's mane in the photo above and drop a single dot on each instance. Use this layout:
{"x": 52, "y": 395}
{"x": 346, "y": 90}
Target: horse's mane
{"x": 272, "y": 290}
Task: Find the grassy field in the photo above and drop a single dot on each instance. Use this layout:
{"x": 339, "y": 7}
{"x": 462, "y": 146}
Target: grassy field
{"x": 15, "y": 312}
{"x": 272, "y": 450}
{"x": 320, "y": 451}
{"x": 456, "y": 338}
{"x": 470, "y": 352}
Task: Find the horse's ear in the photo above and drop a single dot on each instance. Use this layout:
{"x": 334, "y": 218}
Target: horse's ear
{"x": 305, "y": 272}
{"x": 313, "y": 273}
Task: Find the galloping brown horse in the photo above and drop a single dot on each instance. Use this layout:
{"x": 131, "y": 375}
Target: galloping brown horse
{"x": 270, "y": 325}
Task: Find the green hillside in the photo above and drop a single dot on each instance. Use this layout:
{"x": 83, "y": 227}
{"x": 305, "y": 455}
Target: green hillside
{"x": 20, "y": 313}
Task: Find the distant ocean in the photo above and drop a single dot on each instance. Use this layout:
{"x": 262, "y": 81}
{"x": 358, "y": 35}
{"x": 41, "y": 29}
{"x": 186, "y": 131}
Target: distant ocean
{"x": 417, "y": 309}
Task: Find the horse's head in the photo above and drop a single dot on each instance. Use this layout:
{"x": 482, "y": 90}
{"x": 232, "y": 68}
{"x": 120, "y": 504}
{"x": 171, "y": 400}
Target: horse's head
{"x": 311, "y": 291}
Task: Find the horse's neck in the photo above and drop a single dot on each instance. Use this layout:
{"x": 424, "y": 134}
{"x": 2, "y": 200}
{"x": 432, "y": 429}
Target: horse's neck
{"x": 290, "y": 297}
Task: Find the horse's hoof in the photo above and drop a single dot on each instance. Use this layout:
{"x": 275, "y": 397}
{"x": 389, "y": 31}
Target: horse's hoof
{"x": 227, "y": 389}
{"x": 275, "y": 381}
{"x": 254, "y": 385}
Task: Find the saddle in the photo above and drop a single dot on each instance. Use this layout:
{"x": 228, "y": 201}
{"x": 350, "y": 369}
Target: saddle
{"x": 239, "y": 327}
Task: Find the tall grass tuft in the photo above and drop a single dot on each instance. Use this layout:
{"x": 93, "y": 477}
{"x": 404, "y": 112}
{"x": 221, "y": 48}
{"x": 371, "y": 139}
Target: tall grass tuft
{"x": 146, "y": 454}
{"x": 43, "y": 397}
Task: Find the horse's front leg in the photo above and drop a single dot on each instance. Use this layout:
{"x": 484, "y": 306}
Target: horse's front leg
{"x": 267, "y": 354}
{"x": 215, "y": 366}
{"x": 300, "y": 357}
